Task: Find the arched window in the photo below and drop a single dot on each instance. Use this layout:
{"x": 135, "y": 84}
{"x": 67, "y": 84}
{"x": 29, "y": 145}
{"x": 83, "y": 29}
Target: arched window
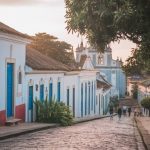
{"x": 100, "y": 59}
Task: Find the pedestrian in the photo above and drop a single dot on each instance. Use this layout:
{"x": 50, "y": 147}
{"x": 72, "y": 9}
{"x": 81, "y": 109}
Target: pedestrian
{"x": 119, "y": 113}
{"x": 111, "y": 112}
{"x": 129, "y": 111}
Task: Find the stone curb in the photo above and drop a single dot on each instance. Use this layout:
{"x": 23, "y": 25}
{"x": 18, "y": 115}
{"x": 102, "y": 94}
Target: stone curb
{"x": 144, "y": 134}
{"x": 90, "y": 119}
{"x": 25, "y": 131}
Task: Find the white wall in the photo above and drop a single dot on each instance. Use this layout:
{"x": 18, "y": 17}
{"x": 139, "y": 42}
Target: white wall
{"x": 37, "y": 79}
{"x": 12, "y": 50}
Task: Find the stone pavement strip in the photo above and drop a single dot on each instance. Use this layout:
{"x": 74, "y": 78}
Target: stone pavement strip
{"x": 143, "y": 124}
{"x": 102, "y": 134}
{"x": 23, "y": 128}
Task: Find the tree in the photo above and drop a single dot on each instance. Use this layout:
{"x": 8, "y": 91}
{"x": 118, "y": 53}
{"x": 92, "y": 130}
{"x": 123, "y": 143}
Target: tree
{"x": 137, "y": 64}
{"x": 104, "y": 21}
{"x": 50, "y": 46}
{"x": 146, "y": 103}
{"x": 134, "y": 91}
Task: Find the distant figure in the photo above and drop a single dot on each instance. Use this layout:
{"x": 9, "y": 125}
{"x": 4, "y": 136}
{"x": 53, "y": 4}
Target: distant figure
{"x": 129, "y": 111}
{"x": 119, "y": 113}
{"x": 111, "y": 112}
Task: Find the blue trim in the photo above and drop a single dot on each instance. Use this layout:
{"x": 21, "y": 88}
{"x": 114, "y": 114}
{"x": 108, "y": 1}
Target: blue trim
{"x": 30, "y": 97}
{"x": 58, "y": 91}
{"x": 92, "y": 98}
{"x": 73, "y": 102}
{"x": 82, "y": 100}
{"x": 85, "y": 98}
{"x": 67, "y": 97}
{"x": 42, "y": 92}
{"x": 89, "y": 99}
{"x": 10, "y": 89}
{"x": 50, "y": 91}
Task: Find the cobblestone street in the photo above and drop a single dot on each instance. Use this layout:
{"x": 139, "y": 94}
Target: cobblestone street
{"x": 103, "y": 134}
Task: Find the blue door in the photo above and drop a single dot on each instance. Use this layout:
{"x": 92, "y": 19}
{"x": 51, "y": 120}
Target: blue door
{"x": 73, "y": 102}
{"x": 50, "y": 91}
{"x": 89, "y": 100}
{"x": 68, "y": 97}
{"x": 42, "y": 92}
{"x": 58, "y": 91}
{"x": 85, "y": 99}
{"x": 31, "y": 103}
{"x": 10, "y": 89}
{"x": 82, "y": 100}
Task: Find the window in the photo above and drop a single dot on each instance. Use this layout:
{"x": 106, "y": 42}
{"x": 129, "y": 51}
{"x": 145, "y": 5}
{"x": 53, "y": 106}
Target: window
{"x": 94, "y": 59}
{"x": 100, "y": 59}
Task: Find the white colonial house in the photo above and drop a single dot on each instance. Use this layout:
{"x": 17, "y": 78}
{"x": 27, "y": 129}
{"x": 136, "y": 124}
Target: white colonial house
{"x": 12, "y": 74}
{"x": 27, "y": 75}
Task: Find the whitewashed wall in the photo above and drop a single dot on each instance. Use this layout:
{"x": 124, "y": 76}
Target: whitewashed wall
{"x": 38, "y": 78}
{"x": 12, "y": 49}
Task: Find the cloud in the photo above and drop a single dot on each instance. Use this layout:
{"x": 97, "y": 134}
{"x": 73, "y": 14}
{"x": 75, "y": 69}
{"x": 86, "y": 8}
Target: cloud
{"x": 31, "y": 2}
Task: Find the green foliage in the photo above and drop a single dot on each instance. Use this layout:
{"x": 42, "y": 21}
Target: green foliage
{"x": 146, "y": 103}
{"x": 138, "y": 63}
{"x": 134, "y": 91}
{"x": 50, "y": 46}
{"x": 103, "y": 21}
{"x": 53, "y": 112}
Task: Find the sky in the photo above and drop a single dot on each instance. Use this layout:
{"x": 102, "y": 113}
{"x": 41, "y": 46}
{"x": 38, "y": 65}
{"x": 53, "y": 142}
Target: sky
{"x": 34, "y": 16}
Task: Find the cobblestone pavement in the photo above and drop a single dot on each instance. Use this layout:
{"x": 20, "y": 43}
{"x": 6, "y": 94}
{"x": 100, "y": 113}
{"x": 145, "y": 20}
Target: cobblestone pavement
{"x": 103, "y": 134}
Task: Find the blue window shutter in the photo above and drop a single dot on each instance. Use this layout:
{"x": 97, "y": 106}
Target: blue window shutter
{"x": 89, "y": 99}
{"x": 42, "y": 92}
{"x": 82, "y": 100}
{"x": 30, "y": 97}
{"x": 58, "y": 91}
{"x": 50, "y": 91}
{"x": 85, "y": 98}
{"x": 67, "y": 97}
{"x": 92, "y": 98}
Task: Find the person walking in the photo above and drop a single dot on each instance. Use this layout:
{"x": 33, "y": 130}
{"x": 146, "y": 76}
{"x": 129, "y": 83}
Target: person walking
{"x": 119, "y": 113}
{"x": 129, "y": 111}
{"x": 111, "y": 112}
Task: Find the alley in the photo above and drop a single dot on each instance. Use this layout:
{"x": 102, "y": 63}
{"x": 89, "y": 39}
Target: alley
{"x": 103, "y": 134}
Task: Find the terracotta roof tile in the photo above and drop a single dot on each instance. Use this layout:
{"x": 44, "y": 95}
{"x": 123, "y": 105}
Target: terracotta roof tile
{"x": 38, "y": 61}
{"x": 6, "y": 29}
